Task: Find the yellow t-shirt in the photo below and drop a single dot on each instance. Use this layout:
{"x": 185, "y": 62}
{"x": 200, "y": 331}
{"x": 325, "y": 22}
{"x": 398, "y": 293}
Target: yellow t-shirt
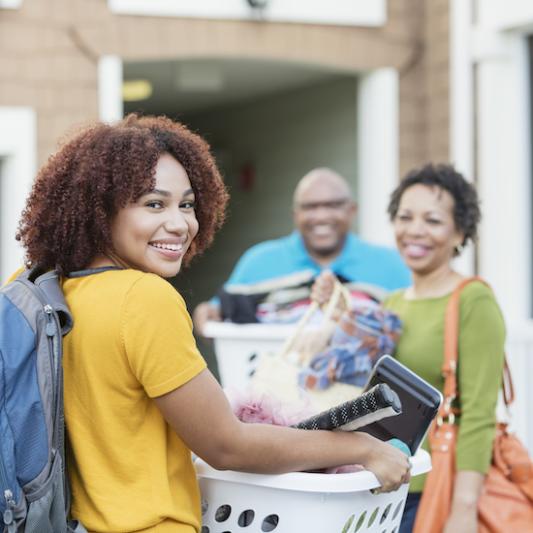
{"x": 132, "y": 341}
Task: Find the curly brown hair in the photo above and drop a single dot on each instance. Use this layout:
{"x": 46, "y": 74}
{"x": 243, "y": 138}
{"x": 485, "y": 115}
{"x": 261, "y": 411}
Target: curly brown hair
{"x": 68, "y": 215}
{"x": 466, "y": 210}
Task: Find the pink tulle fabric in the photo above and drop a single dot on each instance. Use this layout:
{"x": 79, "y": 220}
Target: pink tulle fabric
{"x": 261, "y": 409}
{"x": 254, "y": 408}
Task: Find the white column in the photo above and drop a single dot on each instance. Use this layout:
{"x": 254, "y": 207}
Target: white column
{"x": 377, "y": 151}
{"x": 504, "y": 169}
{"x": 462, "y": 106}
{"x": 18, "y": 156}
{"x": 110, "y": 104}
{"x": 504, "y": 95}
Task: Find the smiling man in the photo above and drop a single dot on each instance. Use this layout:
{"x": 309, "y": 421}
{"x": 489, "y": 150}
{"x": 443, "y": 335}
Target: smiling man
{"x": 323, "y": 211}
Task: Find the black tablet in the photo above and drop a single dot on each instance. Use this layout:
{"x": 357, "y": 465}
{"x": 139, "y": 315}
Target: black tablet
{"x": 420, "y": 403}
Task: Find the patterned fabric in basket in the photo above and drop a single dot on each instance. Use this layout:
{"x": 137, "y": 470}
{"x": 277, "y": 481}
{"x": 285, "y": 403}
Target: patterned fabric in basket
{"x": 363, "y": 335}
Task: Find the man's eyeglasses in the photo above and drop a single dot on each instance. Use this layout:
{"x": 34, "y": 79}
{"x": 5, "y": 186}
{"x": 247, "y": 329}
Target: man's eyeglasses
{"x": 331, "y": 205}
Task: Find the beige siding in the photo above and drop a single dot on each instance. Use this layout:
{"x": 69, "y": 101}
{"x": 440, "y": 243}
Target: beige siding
{"x": 49, "y": 51}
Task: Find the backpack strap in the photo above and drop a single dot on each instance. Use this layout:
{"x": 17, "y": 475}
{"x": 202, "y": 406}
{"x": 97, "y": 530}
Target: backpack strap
{"x": 49, "y": 284}
{"x": 46, "y": 286}
{"x": 90, "y": 271}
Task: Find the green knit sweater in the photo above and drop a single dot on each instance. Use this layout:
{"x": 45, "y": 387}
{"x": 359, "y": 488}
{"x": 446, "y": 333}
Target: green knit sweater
{"x": 481, "y": 352}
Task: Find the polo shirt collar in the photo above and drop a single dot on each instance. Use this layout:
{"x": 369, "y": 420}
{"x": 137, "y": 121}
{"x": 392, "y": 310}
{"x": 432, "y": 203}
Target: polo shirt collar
{"x": 299, "y": 251}
{"x": 338, "y": 265}
{"x": 346, "y": 257}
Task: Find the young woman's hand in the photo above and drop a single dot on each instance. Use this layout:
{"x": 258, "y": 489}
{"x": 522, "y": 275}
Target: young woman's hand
{"x": 390, "y": 465}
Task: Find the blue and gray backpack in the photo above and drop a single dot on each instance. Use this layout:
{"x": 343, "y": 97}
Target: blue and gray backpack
{"x": 34, "y": 493}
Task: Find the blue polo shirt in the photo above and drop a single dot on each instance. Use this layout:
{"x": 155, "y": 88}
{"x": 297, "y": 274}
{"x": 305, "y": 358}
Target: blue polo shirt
{"x": 359, "y": 261}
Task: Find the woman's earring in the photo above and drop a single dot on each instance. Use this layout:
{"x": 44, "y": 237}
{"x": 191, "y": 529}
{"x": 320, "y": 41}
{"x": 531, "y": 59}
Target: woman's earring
{"x": 459, "y": 249}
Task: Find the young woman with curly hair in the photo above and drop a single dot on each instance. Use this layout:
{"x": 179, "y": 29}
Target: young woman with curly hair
{"x": 117, "y": 210}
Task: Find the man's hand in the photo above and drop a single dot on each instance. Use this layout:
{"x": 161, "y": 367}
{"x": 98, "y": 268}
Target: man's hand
{"x": 203, "y": 313}
{"x": 322, "y": 291}
{"x": 322, "y": 288}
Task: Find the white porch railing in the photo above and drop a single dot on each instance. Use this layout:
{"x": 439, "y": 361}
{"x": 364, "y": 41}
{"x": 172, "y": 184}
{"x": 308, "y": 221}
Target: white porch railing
{"x": 520, "y": 357}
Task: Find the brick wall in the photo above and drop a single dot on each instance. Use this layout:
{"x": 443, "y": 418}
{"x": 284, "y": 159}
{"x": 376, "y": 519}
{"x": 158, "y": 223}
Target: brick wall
{"x": 424, "y": 85}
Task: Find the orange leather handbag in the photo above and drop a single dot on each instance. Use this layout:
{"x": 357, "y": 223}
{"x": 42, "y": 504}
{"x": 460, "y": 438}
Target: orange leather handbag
{"x": 506, "y": 501}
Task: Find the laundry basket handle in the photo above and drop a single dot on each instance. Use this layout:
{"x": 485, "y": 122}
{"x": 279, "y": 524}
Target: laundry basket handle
{"x": 339, "y": 291}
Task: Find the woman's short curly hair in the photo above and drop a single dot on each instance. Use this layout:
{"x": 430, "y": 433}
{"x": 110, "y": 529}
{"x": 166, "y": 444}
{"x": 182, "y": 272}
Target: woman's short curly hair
{"x": 67, "y": 219}
{"x": 466, "y": 211}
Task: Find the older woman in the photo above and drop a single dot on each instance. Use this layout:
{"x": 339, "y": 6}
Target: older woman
{"x": 435, "y": 212}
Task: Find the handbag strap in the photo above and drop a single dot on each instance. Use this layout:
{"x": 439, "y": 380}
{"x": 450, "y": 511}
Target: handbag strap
{"x": 451, "y": 352}
{"x": 339, "y": 291}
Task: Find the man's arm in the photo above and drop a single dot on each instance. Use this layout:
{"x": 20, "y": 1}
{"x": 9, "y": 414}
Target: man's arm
{"x": 204, "y": 312}
{"x": 246, "y": 271}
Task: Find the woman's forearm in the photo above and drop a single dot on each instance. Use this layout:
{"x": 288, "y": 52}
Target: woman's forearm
{"x": 467, "y": 489}
{"x": 201, "y": 415}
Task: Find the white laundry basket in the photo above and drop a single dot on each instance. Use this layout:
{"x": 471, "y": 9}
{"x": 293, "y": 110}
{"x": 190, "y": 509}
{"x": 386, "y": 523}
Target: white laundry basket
{"x": 238, "y": 346}
{"x": 234, "y": 502}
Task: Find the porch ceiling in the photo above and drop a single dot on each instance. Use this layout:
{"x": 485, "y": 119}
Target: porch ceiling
{"x": 191, "y": 85}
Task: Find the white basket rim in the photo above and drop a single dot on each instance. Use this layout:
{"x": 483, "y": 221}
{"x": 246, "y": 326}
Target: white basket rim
{"x": 311, "y": 482}
{"x": 230, "y": 330}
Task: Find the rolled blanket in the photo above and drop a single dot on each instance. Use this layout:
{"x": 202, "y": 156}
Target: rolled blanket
{"x": 377, "y": 403}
